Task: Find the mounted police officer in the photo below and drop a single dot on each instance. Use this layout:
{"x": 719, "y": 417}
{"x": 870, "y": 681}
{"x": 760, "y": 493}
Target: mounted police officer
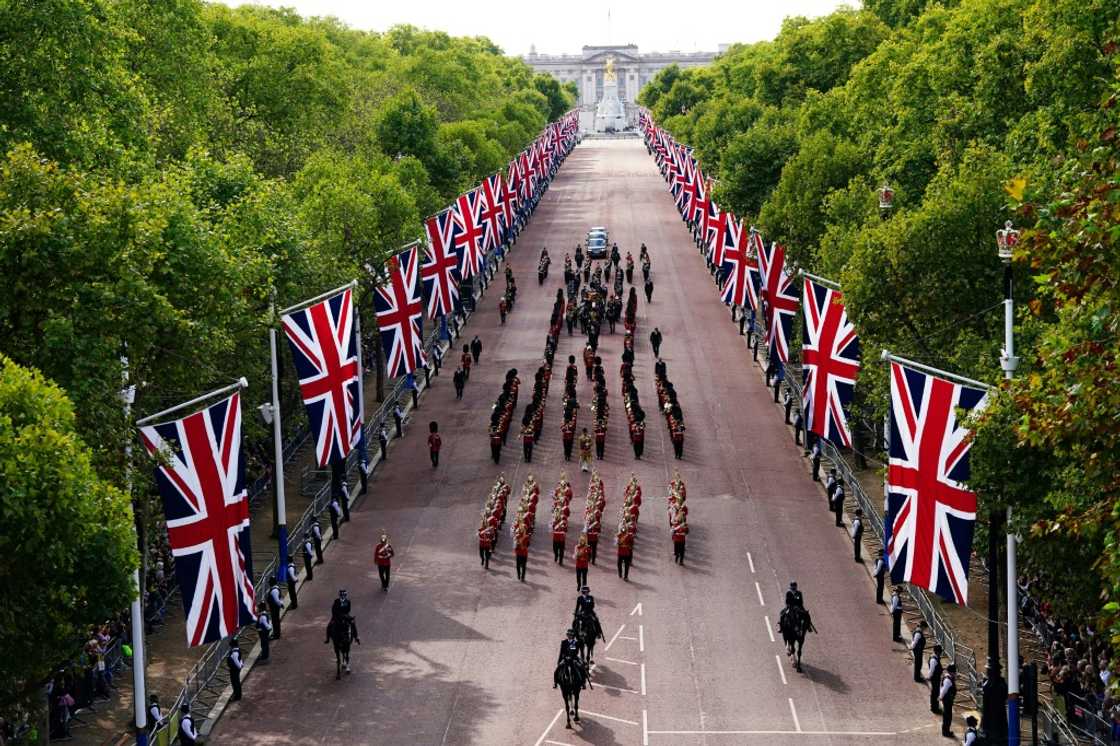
{"x": 793, "y": 596}
{"x": 585, "y": 607}
{"x": 569, "y": 653}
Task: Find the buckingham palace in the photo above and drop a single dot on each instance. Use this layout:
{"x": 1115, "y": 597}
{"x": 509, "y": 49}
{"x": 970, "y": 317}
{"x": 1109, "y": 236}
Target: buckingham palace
{"x": 633, "y": 69}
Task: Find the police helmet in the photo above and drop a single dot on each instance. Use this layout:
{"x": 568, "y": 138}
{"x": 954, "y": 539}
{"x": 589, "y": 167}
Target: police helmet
{"x": 793, "y": 585}
{"x": 185, "y": 707}
{"x": 585, "y": 589}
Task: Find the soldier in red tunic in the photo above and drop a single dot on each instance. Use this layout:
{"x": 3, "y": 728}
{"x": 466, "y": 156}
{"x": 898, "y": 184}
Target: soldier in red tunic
{"x": 625, "y": 540}
{"x": 680, "y": 530}
{"x": 521, "y": 552}
{"x": 559, "y": 535}
{"x": 583, "y": 556}
{"x": 465, "y": 362}
{"x": 383, "y": 558}
{"x": 485, "y": 543}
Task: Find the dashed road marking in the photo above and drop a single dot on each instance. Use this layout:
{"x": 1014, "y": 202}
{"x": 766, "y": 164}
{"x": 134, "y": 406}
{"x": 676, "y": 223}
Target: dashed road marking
{"x": 617, "y": 688}
{"x": 557, "y": 743}
{"x": 637, "y": 610}
{"x": 771, "y": 733}
{"x": 769, "y": 628}
{"x": 619, "y": 660}
{"x": 758, "y": 588}
{"x": 750, "y": 561}
{"x": 782, "y": 671}
{"x": 645, "y": 728}
{"x": 641, "y": 639}
{"x": 549, "y": 728}
{"x": 793, "y": 711}
{"x": 643, "y": 679}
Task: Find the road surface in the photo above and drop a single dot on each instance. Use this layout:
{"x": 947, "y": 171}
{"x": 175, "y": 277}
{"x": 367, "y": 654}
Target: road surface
{"x": 455, "y": 654}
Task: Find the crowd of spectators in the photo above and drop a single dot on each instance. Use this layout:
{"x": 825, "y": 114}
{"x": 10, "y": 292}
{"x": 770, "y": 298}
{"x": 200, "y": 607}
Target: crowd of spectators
{"x": 1078, "y": 663}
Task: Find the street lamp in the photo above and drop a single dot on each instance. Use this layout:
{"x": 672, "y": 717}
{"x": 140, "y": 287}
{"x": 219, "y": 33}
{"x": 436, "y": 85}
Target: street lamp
{"x": 1007, "y": 238}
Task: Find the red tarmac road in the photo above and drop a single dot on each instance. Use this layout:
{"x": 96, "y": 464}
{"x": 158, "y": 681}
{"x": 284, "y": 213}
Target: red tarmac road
{"x": 455, "y": 654}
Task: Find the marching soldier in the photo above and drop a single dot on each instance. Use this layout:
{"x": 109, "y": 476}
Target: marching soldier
{"x": 235, "y": 664}
{"x": 383, "y": 558}
{"x": 568, "y": 435}
{"x": 527, "y": 440}
{"x": 264, "y": 630}
{"x": 600, "y": 439}
{"x": 458, "y": 381}
{"x": 292, "y": 577}
{"x": 582, "y": 557}
{"x": 496, "y": 444}
{"x": 308, "y": 556}
{"x": 476, "y": 348}
{"x": 680, "y": 530}
{"x": 638, "y": 437}
{"x": 584, "y": 451}
{"x": 593, "y": 535}
{"x": 435, "y": 442}
{"x": 465, "y": 363}
{"x": 559, "y": 536}
{"x": 275, "y": 605}
{"x": 521, "y": 552}
{"x": 486, "y": 535}
{"x": 625, "y": 540}
{"x": 655, "y": 341}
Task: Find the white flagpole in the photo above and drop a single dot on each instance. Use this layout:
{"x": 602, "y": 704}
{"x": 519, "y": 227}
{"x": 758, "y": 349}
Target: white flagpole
{"x": 139, "y": 660}
{"x": 273, "y": 410}
{"x": 241, "y": 383}
{"x": 934, "y": 371}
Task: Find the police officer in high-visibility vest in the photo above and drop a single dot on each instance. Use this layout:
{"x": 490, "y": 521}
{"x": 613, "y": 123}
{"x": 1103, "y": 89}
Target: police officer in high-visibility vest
{"x": 317, "y": 540}
{"x": 880, "y": 576}
{"x": 235, "y": 664}
{"x": 308, "y": 556}
{"x": 292, "y": 576}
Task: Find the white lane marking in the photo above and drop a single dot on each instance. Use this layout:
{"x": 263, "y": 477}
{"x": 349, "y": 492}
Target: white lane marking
{"x": 781, "y": 669}
{"x": 557, "y": 743}
{"x": 645, "y": 728}
{"x": 750, "y": 560}
{"x": 643, "y": 679}
{"x": 758, "y": 588}
{"x": 772, "y": 733}
{"x": 616, "y": 634}
{"x": 549, "y": 728}
{"x": 637, "y": 610}
{"x": 769, "y": 628}
{"x": 616, "y": 688}
{"x": 793, "y": 711}
{"x": 641, "y": 639}
{"x": 606, "y": 717}
{"x": 619, "y": 660}
{"x": 628, "y": 637}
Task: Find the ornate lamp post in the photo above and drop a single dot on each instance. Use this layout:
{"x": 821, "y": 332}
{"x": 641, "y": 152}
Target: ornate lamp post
{"x": 886, "y": 198}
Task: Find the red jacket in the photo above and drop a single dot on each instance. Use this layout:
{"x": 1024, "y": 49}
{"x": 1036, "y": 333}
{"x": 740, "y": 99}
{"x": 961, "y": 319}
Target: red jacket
{"x": 521, "y": 548}
{"x": 583, "y": 557}
{"x": 625, "y": 545}
{"x": 383, "y": 554}
{"x": 434, "y": 442}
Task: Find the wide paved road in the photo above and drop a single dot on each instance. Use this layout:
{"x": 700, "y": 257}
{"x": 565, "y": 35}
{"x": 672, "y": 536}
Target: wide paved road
{"x": 454, "y": 654}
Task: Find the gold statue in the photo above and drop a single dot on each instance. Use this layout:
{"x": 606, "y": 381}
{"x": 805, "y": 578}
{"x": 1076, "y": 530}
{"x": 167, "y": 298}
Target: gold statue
{"x": 608, "y": 74}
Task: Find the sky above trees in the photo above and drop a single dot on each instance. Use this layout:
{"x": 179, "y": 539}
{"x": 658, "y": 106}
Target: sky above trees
{"x": 703, "y": 26}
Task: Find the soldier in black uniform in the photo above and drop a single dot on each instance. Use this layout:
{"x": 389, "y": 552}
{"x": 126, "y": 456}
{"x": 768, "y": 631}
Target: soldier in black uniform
{"x": 235, "y": 664}
{"x": 655, "y": 341}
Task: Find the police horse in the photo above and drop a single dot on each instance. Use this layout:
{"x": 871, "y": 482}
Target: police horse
{"x": 794, "y": 623}
{"x": 588, "y": 630}
{"x": 571, "y": 675}
{"x": 341, "y": 631}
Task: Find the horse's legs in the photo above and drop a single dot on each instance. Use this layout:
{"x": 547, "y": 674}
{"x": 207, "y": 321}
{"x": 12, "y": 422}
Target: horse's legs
{"x": 800, "y": 643}
{"x": 337, "y": 663}
{"x": 567, "y": 708}
{"x": 575, "y": 705}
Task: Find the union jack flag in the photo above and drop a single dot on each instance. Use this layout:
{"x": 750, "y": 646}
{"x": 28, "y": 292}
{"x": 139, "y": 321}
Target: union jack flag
{"x": 491, "y": 212}
{"x": 716, "y": 231}
{"x": 701, "y": 197}
{"x": 201, "y": 479}
{"x": 400, "y": 313}
{"x": 829, "y": 363}
{"x": 440, "y": 271}
{"x": 469, "y": 233}
{"x": 754, "y": 251}
{"x": 930, "y": 511}
{"x": 509, "y": 195}
{"x": 738, "y": 264}
{"x": 325, "y": 350}
{"x": 779, "y": 301}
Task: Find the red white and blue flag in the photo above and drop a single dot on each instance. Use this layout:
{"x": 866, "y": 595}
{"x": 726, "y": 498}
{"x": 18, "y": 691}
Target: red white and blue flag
{"x": 830, "y": 358}
{"x": 325, "y": 349}
{"x": 491, "y": 212}
{"x": 701, "y": 197}
{"x": 201, "y": 479}
{"x": 930, "y": 510}
{"x": 715, "y": 231}
{"x": 778, "y": 299}
{"x": 440, "y": 271}
{"x": 400, "y": 313}
{"x": 509, "y": 195}
{"x": 470, "y": 234}
{"x": 754, "y": 251}
{"x": 737, "y": 263}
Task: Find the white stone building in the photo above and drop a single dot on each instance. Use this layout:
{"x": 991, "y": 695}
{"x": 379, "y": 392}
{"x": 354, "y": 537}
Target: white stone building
{"x": 634, "y": 69}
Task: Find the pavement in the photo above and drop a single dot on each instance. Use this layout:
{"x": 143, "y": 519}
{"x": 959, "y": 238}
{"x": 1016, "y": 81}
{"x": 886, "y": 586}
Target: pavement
{"x": 455, "y": 654}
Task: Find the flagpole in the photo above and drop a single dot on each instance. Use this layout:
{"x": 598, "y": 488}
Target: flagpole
{"x": 363, "y": 457}
{"x": 273, "y": 411}
{"x": 241, "y": 383}
{"x": 886, "y": 355}
{"x": 311, "y": 301}
{"x": 822, "y": 280}
{"x": 1009, "y": 362}
{"x": 139, "y": 661}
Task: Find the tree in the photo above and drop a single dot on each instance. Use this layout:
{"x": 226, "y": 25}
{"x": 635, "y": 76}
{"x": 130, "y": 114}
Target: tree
{"x": 64, "y": 532}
